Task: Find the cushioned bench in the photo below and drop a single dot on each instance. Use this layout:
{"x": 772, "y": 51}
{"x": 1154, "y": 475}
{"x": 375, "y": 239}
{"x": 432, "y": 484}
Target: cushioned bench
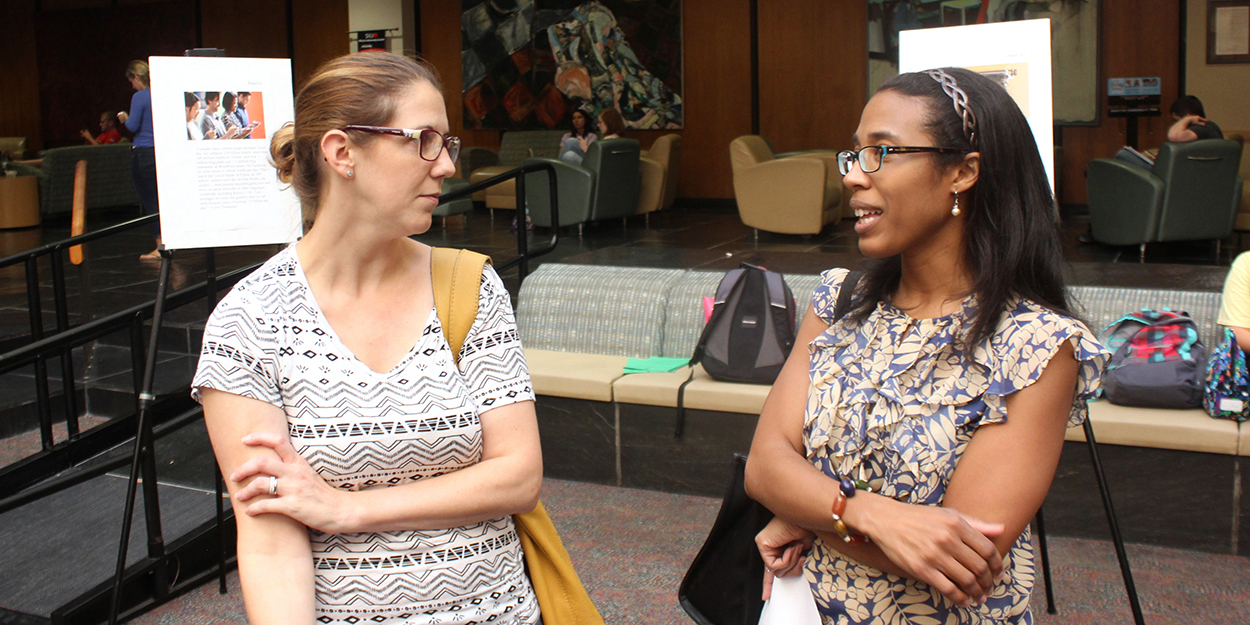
{"x": 580, "y": 323}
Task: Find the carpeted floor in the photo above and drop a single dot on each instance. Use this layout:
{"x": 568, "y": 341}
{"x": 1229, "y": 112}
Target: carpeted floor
{"x": 631, "y": 548}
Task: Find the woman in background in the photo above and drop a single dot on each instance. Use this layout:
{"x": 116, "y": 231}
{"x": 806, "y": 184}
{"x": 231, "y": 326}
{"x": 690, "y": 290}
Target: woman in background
{"x": 143, "y": 150}
{"x": 573, "y": 145}
{"x": 611, "y": 124}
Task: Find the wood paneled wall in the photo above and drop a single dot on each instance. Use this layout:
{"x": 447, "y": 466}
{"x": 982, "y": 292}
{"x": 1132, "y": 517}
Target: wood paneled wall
{"x": 82, "y": 62}
{"x": 810, "y": 93}
{"x": 1138, "y": 38}
{"x": 85, "y": 38}
{"x": 245, "y": 28}
{"x": 813, "y": 72}
{"x": 19, "y": 74}
{"x": 320, "y": 33}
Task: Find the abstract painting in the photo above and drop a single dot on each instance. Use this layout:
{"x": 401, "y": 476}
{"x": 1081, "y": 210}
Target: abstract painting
{"x": 528, "y": 64}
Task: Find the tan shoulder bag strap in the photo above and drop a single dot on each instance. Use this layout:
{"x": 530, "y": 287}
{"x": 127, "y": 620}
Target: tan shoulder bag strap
{"x": 457, "y": 280}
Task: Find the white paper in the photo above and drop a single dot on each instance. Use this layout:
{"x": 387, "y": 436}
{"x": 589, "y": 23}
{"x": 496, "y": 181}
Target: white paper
{"x": 221, "y": 193}
{"x": 1022, "y": 47}
{"x": 1232, "y": 31}
{"x": 791, "y": 603}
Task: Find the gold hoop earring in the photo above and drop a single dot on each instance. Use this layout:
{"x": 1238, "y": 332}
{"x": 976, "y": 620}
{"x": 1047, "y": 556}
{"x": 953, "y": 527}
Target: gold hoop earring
{"x": 955, "y": 208}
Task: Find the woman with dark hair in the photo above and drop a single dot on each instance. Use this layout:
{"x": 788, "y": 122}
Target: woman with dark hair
{"x": 573, "y": 145}
{"x": 909, "y": 443}
{"x": 373, "y": 474}
{"x": 143, "y": 151}
{"x": 192, "y": 103}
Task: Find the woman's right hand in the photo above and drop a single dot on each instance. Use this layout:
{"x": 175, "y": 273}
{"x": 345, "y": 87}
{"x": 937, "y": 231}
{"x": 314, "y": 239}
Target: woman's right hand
{"x": 942, "y": 547}
{"x": 781, "y": 546}
{"x": 123, "y": 116}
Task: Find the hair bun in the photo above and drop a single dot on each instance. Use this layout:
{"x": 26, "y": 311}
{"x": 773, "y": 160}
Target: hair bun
{"x": 282, "y": 152}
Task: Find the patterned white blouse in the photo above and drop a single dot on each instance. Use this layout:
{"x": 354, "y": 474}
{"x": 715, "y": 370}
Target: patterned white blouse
{"x": 360, "y": 429}
{"x": 897, "y": 399}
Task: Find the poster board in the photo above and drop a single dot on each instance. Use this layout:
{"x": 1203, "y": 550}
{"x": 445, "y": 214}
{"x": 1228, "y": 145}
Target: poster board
{"x": 1017, "y": 54}
{"x": 216, "y": 185}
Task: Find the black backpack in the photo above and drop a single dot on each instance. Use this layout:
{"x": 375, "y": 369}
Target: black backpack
{"x": 750, "y": 333}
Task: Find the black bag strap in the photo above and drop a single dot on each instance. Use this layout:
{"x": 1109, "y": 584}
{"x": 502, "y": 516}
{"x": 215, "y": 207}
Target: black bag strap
{"x": 845, "y": 293}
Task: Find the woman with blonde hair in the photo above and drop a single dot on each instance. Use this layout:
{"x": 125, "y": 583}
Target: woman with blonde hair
{"x": 143, "y": 149}
{"x": 373, "y": 479}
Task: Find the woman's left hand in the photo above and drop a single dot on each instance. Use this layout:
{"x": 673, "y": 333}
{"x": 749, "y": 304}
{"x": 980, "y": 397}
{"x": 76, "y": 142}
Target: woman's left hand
{"x": 781, "y": 545}
{"x": 301, "y": 493}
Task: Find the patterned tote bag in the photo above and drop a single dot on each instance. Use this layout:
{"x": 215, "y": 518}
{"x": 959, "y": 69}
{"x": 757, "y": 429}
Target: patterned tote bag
{"x": 1227, "y": 392}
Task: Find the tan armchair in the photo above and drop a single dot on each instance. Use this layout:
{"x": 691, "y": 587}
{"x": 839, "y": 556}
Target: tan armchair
{"x": 1243, "y": 211}
{"x": 660, "y": 167}
{"x": 796, "y": 194}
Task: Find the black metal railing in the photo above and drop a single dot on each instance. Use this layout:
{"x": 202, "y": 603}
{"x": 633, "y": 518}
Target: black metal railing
{"x": 34, "y": 302}
{"x": 64, "y": 456}
{"x": 524, "y": 254}
{"x": 29, "y": 480}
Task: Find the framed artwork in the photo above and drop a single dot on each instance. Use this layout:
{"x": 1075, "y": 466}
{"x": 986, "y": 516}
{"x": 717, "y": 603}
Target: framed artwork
{"x": 1073, "y": 33}
{"x": 1228, "y": 31}
{"x": 528, "y": 64}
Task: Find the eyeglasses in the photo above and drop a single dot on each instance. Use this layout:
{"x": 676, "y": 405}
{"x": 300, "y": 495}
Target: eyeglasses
{"x": 430, "y": 141}
{"x": 870, "y": 157}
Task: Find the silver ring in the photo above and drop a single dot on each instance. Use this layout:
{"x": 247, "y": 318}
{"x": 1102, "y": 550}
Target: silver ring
{"x": 273, "y": 485}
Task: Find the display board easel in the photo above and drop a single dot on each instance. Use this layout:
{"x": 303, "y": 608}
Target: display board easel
{"x": 216, "y": 189}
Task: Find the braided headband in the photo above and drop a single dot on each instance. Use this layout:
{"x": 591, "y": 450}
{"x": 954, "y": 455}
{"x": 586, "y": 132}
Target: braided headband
{"x": 960, "y": 100}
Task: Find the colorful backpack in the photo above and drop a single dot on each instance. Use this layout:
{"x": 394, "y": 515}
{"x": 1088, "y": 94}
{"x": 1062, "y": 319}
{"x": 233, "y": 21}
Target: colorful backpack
{"x": 1158, "y": 361}
{"x": 1227, "y": 393}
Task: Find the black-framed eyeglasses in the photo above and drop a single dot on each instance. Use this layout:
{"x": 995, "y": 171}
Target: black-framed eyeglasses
{"x": 870, "y": 157}
{"x": 430, "y": 141}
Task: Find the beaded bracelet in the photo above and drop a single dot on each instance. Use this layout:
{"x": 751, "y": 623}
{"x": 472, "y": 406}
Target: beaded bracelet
{"x": 839, "y": 526}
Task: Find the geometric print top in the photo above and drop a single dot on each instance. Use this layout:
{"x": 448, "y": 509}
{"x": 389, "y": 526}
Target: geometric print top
{"x": 360, "y": 429}
{"x": 895, "y": 401}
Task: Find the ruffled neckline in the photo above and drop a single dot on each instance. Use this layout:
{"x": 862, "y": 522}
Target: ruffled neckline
{"x": 869, "y": 379}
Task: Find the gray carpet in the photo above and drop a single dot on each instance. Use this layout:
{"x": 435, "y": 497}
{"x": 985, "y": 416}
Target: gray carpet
{"x": 631, "y": 548}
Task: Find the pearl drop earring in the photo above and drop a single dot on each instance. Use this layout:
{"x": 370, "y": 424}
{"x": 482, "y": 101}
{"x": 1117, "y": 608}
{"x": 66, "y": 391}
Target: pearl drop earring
{"x": 955, "y": 208}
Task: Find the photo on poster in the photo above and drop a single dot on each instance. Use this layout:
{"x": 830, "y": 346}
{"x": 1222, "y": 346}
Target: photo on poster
{"x": 1016, "y": 55}
{"x": 225, "y": 115}
{"x": 213, "y": 120}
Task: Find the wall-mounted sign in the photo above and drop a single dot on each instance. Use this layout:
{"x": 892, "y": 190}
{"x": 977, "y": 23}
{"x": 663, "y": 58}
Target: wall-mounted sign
{"x": 370, "y": 40}
{"x": 1122, "y": 87}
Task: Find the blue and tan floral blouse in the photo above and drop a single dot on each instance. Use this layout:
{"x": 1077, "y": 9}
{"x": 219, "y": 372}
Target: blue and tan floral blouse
{"x": 897, "y": 399}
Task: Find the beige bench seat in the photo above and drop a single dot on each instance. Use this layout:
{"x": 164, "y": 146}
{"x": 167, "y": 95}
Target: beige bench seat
{"x": 1161, "y": 428}
{"x": 704, "y": 393}
{"x": 576, "y": 376}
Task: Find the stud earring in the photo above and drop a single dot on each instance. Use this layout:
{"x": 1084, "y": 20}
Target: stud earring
{"x": 955, "y": 208}
{"x": 350, "y": 173}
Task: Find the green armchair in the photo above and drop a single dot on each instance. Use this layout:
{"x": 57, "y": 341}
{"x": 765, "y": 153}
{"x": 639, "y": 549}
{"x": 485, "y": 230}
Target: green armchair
{"x": 1191, "y": 194}
{"x": 604, "y": 186}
